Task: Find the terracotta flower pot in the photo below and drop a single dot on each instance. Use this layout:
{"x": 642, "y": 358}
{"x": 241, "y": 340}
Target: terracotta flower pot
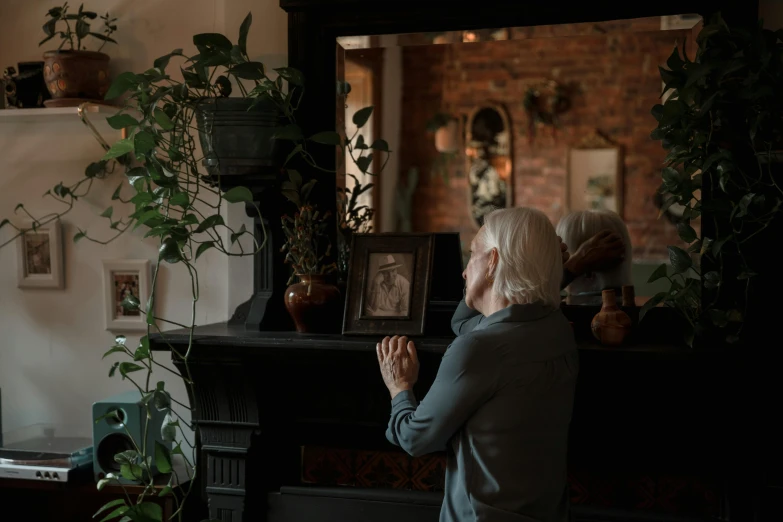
{"x": 75, "y": 76}
{"x": 611, "y": 325}
{"x": 314, "y": 305}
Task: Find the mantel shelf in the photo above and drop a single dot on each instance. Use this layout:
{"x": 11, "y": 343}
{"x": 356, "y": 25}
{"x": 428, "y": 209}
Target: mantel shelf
{"x": 48, "y": 114}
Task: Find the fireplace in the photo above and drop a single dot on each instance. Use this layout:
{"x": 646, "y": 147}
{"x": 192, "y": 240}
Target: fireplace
{"x": 291, "y": 426}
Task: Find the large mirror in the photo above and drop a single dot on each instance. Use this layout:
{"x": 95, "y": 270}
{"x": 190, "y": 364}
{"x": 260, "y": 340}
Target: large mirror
{"x": 552, "y": 117}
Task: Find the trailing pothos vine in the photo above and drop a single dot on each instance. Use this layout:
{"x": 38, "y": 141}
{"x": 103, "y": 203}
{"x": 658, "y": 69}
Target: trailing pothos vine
{"x": 722, "y": 126}
{"x": 169, "y": 198}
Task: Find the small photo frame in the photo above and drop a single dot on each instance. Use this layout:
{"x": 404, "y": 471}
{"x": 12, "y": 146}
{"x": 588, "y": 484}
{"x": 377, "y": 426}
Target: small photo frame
{"x": 40, "y": 256}
{"x": 123, "y": 277}
{"x": 388, "y": 284}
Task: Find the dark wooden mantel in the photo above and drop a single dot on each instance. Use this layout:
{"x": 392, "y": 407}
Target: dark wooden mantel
{"x": 262, "y": 396}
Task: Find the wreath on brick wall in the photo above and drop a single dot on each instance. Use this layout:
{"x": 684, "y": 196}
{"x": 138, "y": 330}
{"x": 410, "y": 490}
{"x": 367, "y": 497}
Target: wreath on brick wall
{"x": 544, "y": 103}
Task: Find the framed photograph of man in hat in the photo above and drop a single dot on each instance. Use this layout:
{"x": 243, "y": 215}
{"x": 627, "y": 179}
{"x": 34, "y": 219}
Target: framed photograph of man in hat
{"x": 388, "y": 284}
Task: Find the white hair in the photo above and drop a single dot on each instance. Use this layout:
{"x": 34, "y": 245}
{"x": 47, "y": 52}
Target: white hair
{"x": 577, "y": 227}
{"x": 530, "y": 265}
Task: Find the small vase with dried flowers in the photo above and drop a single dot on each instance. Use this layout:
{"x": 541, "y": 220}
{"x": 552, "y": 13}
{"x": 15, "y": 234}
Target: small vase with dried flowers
{"x": 312, "y": 302}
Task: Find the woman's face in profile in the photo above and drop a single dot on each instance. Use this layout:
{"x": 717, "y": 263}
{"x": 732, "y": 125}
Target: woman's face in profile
{"x": 475, "y": 274}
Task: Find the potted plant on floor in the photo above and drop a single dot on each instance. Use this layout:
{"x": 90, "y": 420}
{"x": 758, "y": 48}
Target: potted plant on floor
{"x": 73, "y": 74}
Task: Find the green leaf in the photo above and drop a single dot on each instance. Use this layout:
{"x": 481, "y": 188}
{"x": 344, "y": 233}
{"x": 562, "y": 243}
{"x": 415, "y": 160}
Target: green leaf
{"x": 145, "y": 512}
{"x": 213, "y": 221}
{"x": 114, "y": 349}
{"x": 116, "y": 513}
{"x": 162, "y": 457}
{"x": 224, "y": 86}
{"x": 130, "y": 303}
{"x": 672, "y": 112}
{"x": 238, "y": 194}
{"x": 696, "y": 72}
{"x": 116, "y": 195}
{"x": 212, "y": 40}
{"x": 113, "y": 369}
{"x": 169, "y": 251}
{"x": 129, "y": 367}
{"x": 108, "y": 212}
{"x": 719, "y": 318}
{"x": 143, "y": 142}
{"x": 291, "y": 75}
{"x": 121, "y": 121}
{"x": 293, "y": 153}
{"x": 163, "y": 62}
{"x": 657, "y": 111}
{"x": 652, "y": 303}
{"x": 143, "y": 351}
{"x": 165, "y": 491}
{"x": 686, "y": 232}
{"x": 290, "y": 132}
{"x": 102, "y": 484}
{"x": 4, "y": 223}
{"x": 711, "y": 279}
{"x": 168, "y": 431}
{"x": 163, "y": 119}
{"x": 381, "y": 145}
{"x": 244, "y": 29}
{"x": 127, "y": 457}
{"x": 248, "y": 70}
{"x": 79, "y": 236}
{"x": 326, "y": 138}
{"x": 364, "y": 162}
{"x": 659, "y": 273}
{"x": 680, "y": 259}
{"x": 361, "y": 116}
{"x": 674, "y": 62}
{"x": 203, "y": 247}
{"x": 162, "y": 400}
{"x": 120, "y": 85}
{"x": 180, "y": 199}
{"x": 109, "y": 505}
{"x": 119, "y": 148}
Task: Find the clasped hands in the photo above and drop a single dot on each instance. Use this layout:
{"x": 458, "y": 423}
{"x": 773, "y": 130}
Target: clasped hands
{"x": 399, "y": 363}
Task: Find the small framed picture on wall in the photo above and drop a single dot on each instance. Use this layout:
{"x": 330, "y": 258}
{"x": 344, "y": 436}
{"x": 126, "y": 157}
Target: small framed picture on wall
{"x": 40, "y": 256}
{"x": 388, "y": 284}
{"x": 126, "y": 281}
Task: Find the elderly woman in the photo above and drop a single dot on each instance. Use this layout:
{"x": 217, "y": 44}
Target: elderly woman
{"x": 579, "y": 229}
{"x": 501, "y": 403}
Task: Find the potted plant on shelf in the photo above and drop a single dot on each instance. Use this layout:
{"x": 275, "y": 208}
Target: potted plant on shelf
{"x": 722, "y": 128}
{"x": 312, "y": 302}
{"x": 71, "y": 72}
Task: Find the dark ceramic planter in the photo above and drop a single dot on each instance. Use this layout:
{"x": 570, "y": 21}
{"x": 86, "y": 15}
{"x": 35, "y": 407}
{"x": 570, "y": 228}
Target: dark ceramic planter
{"x": 314, "y": 305}
{"x": 75, "y": 76}
{"x": 237, "y": 140}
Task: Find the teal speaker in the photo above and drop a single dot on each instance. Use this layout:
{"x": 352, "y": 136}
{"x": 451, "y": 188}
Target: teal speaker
{"x": 111, "y": 435}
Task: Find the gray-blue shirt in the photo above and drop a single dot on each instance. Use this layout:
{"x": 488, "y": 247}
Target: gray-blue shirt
{"x": 501, "y": 407}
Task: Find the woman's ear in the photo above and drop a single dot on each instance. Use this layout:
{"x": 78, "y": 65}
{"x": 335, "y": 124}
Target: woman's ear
{"x": 492, "y": 264}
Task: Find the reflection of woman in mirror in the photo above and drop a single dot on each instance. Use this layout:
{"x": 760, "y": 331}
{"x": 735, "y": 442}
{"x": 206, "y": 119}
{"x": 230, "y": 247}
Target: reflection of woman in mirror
{"x": 580, "y": 229}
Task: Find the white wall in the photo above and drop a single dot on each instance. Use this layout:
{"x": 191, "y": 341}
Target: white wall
{"x": 51, "y": 341}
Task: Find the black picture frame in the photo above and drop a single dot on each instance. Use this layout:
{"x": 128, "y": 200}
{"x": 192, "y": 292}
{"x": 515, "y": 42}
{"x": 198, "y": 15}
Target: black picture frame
{"x": 420, "y": 247}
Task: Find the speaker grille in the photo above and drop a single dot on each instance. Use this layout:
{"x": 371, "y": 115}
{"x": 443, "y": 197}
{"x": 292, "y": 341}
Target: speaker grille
{"x": 108, "y": 447}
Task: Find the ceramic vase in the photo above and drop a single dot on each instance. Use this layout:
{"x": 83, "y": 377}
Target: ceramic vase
{"x": 611, "y": 325}
{"x": 313, "y": 304}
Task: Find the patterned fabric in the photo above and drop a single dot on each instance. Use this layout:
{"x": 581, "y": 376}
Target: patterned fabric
{"x": 683, "y": 495}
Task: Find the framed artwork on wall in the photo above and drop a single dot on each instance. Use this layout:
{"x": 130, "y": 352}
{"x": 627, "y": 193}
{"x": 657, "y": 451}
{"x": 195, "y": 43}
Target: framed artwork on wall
{"x": 388, "y": 284}
{"x": 595, "y": 177}
{"x": 125, "y": 281}
{"x": 40, "y": 256}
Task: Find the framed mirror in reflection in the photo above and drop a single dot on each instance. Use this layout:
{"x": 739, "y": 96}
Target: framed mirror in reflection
{"x": 489, "y": 167}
